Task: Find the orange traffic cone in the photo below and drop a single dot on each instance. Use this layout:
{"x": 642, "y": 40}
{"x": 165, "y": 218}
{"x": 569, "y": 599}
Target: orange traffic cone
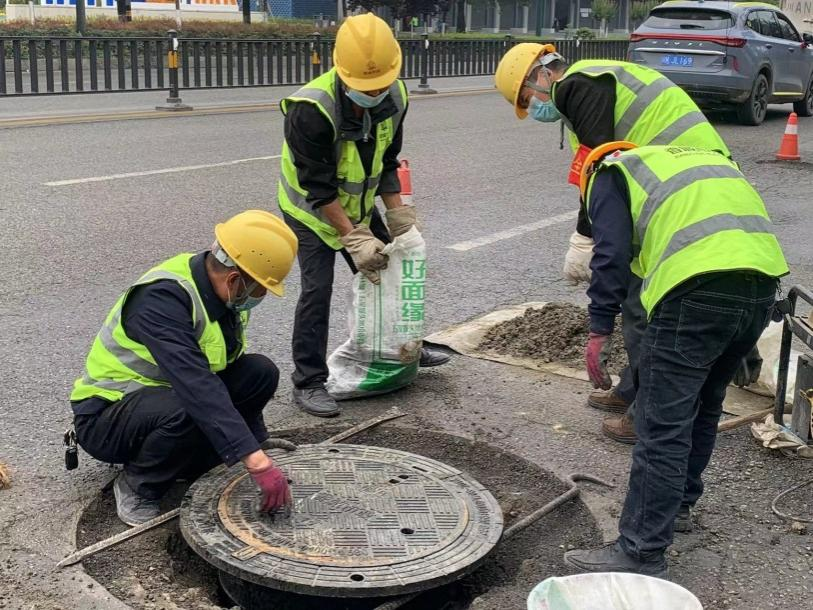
{"x": 405, "y": 178}
{"x": 789, "y": 148}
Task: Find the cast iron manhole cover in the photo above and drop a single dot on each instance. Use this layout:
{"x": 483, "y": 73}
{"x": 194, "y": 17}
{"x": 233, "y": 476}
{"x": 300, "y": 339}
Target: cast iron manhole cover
{"x": 366, "y": 522}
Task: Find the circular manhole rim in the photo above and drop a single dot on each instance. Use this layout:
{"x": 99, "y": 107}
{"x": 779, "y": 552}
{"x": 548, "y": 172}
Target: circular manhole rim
{"x": 384, "y": 578}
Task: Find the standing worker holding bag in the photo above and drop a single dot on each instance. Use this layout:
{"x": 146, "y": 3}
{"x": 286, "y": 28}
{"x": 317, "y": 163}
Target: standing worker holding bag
{"x": 343, "y": 134}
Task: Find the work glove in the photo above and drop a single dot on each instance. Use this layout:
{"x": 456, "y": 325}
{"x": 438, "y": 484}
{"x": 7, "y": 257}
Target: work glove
{"x": 577, "y": 259}
{"x": 400, "y": 219}
{"x": 277, "y": 443}
{"x": 750, "y": 368}
{"x": 274, "y": 490}
{"x": 365, "y": 250}
{"x": 596, "y": 355}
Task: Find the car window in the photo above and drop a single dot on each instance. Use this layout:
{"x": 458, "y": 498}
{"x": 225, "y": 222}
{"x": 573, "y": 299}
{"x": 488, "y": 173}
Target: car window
{"x": 768, "y": 24}
{"x": 788, "y": 31}
{"x": 681, "y": 18}
{"x": 753, "y": 22}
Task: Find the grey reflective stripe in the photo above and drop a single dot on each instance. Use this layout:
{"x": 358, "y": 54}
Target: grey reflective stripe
{"x": 658, "y": 191}
{"x": 706, "y": 227}
{"x": 679, "y": 127}
{"x": 127, "y": 357}
{"x": 644, "y": 95}
{"x": 299, "y": 200}
{"x": 125, "y": 387}
{"x": 357, "y": 188}
{"x": 321, "y": 97}
{"x": 200, "y": 311}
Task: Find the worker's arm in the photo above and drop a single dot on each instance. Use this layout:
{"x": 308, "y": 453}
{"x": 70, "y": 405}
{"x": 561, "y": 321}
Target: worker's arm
{"x": 159, "y": 316}
{"x": 611, "y": 221}
{"x": 389, "y": 189}
{"x": 589, "y": 105}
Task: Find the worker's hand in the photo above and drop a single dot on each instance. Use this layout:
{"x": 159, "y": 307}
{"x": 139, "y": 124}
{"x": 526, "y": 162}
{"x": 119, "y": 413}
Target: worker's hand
{"x": 274, "y": 489}
{"x": 750, "y": 368}
{"x": 596, "y": 355}
{"x": 365, "y": 250}
{"x": 577, "y": 259}
{"x": 400, "y": 219}
{"x": 277, "y": 443}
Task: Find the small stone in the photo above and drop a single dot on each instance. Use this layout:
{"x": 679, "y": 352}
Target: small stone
{"x": 797, "y": 527}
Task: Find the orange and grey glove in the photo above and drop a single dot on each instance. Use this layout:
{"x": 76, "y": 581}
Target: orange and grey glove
{"x": 596, "y": 355}
{"x": 400, "y": 219}
{"x": 274, "y": 489}
{"x": 365, "y": 250}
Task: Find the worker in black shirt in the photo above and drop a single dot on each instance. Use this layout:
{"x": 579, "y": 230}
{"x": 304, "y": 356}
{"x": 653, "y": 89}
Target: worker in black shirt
{"x": 604, "y": 101}
{"x": 168, "y": 390}
{"x": 343, "y": 134}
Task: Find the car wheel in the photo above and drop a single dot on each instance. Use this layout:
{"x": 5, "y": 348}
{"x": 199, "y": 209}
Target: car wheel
{"x": 804, "y": 107}
{"x": 754, "y": 109}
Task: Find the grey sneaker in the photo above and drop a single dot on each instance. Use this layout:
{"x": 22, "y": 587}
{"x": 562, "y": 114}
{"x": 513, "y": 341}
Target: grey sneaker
{"x": 612, "y": 558}
{"x": 316, "y": 401}
{"x": 433, "y": 357}
{"x": 684, "y": 523}
{"x": 132, "y": 508}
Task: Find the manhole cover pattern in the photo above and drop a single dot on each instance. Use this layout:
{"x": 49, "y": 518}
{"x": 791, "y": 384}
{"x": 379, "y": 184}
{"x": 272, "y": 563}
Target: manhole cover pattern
{"x": 366, "y": 521}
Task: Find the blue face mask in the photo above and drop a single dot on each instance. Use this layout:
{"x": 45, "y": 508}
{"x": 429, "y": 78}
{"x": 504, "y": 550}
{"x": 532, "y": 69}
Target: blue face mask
{"x": 249, "y": 303}
{"x": 364, "y": 100}
{"x": 544, "y": 112}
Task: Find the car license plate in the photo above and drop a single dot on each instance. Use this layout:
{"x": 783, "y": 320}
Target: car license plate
{"x": 676, "y": 60}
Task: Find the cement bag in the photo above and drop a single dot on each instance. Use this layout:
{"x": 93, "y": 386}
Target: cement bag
{"x": 386, "y": 325}
{"x": 610, "y": 591}
{"x": 769, "y": 345}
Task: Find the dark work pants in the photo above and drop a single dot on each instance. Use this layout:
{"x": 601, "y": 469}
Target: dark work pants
{"x": 150, "y": 433}
{"x": 312, "y": 317}
{"x": 691, "y": 349}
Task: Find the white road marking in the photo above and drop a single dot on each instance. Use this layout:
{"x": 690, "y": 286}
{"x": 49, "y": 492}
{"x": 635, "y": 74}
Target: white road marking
{"x": 152, "y": 172}
{"x": 463, "y": 246}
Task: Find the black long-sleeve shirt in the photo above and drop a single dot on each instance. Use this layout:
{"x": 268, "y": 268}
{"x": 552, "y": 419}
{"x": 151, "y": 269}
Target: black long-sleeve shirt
{"x": 309, "y": 136}
{"x": 159, "y": 316}
{"x": 611, "y": 222}
{"x": 588, "y": 104}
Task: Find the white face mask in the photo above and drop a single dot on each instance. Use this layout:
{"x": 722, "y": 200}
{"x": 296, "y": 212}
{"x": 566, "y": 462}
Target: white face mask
{"x": 245, "y": 301}
{"x": 364, "y": 100}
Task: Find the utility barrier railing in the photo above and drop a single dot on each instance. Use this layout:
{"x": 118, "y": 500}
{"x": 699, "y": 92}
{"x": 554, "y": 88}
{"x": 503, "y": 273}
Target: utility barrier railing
{"x": 49, "y": 65}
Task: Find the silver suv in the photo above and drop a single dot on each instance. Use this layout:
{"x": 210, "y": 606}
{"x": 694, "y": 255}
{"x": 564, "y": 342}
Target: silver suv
{"x": 744, "y": 54}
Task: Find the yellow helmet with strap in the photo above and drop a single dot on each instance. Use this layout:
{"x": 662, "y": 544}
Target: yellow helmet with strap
{"x": 260, "y": 244}
{"x": 515, "y": 66}
{"x": 367, "y": 56}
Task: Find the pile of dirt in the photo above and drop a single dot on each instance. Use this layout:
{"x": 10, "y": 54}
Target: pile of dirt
{"x": 158, "y": 571}
{"x": 554, "y": 333}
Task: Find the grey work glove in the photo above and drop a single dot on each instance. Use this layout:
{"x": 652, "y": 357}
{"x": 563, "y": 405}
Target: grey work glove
{"x": 277, "y": 443}
{"x": 365, "y": 250}
{"x": 400, "y": 219}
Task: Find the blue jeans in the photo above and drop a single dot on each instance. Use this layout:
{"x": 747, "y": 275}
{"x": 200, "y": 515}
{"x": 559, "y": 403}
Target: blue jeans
{"x": 691, "y": 349}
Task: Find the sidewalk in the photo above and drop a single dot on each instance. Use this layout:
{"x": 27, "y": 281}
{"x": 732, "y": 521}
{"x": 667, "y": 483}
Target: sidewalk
{"x": 41, "y": 106}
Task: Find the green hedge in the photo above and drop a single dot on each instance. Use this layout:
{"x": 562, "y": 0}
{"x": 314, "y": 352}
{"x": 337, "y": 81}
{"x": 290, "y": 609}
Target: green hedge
{"x": 112, "y": 28}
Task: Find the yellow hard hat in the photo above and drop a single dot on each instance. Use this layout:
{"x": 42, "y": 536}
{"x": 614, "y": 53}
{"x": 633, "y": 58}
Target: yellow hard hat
{"x": 513, "y": 70}
{"x": 367, "y": 56}
{"x": 596, "y": 155}
{"x": 260, "y": 244}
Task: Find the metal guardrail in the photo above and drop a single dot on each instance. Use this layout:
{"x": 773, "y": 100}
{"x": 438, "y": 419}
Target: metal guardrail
{"x": 53, "y": 65}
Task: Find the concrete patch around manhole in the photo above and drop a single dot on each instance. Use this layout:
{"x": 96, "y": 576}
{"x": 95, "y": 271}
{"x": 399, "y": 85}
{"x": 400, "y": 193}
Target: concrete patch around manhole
{"x": 365, "y": 522}
{"x": 158, "y": 569}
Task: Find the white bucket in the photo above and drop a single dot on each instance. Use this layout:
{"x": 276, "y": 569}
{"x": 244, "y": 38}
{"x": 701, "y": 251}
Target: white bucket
{"x": 610, "y": 591}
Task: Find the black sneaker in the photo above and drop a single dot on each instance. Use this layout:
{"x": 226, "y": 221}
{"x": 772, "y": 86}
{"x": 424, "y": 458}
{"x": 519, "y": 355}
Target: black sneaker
{"x": 316, "y": 401}
{"x": 433, "y": 357}
{"x": 612, "y": 558}
{"x": 684, "y": 522}
{"x": 132, "y": 508}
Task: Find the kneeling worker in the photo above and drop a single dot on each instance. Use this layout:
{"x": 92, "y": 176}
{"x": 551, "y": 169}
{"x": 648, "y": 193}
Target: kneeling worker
{"x": 168, "y": 389}
{"x": 709, "y": 263}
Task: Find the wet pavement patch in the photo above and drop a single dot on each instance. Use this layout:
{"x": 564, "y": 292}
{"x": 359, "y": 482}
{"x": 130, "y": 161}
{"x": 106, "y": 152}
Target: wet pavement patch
{"x": 159, "y": 571}
{"x": 556, "y": 332}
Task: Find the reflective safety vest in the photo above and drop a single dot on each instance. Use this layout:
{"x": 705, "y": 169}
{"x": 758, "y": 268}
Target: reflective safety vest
{"x": 693, "y": 212}
{"x": 117, "y": 365}
{"x": 649, "y": 108}
{"x": 357, "y": 190}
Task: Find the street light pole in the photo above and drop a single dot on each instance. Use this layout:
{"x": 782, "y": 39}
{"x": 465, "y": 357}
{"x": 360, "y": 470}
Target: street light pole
{"x": 539, "y": 14}
{"x": 80, "y": 17}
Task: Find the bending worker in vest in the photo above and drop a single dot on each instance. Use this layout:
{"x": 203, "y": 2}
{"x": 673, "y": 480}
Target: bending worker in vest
{"x": 709, "y": 263}
{"x": 603, "y": 101}
{"x": 168, "y": 389}
{"x": 343, "y": 134}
